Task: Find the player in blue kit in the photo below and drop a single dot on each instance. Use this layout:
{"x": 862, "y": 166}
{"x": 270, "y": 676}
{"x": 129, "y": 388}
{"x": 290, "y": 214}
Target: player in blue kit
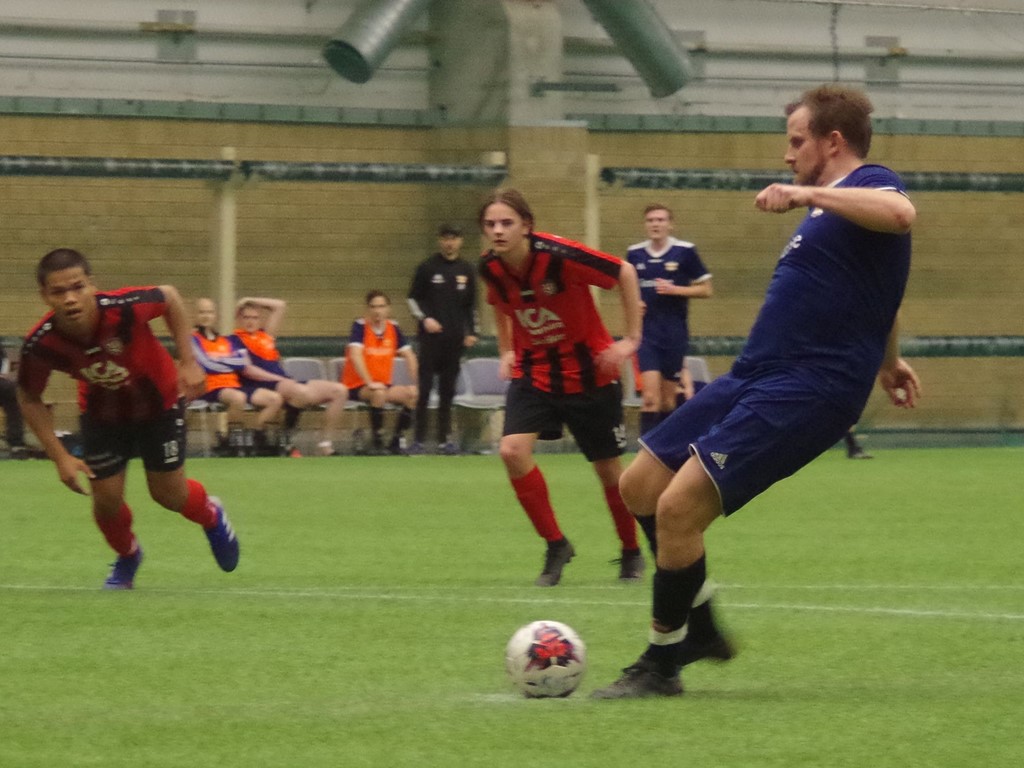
{"x": 827, "y": 327}
{"x": 670, "y": 273}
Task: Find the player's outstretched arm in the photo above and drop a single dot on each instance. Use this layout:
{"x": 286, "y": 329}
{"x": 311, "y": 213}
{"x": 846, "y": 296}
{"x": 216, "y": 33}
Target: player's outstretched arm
{"x": 40, "y": 421}
{"x": 880, "y": 210}
{"x": 191, "y": 376}
{"x": 256, "y": 373}
{"x": 612, "y": 358}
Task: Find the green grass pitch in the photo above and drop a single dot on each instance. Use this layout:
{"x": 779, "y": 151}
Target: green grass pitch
{"x": 878, "y": 605}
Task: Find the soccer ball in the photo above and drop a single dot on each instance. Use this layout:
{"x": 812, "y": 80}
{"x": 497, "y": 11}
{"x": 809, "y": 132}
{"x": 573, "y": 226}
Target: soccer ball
{"x": 545, "y": 659}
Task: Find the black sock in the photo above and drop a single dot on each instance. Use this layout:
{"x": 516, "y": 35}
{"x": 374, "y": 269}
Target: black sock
{"x": 376, "y": 419}
{"x": 674, "y": 592}
{"x": 291, "y": 417}
{"x": 700, "y": 625}
{"x": 377, "y": 425}
{"x": 649, "y": 526}
{"x": 648, "y": 421}
{"x": 404, "y": 420}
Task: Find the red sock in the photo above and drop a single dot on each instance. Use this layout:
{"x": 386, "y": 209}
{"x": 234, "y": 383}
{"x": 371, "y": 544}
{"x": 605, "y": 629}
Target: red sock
{"x": 117, "y": 530}
{"x": 196, "y": 507}
{"x": 625, "y": 523}
{"x": 532, "y": 492}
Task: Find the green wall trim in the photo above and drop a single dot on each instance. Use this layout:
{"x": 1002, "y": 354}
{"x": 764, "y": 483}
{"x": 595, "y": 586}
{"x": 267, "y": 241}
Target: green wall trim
{"x": 706, "y": 124}
{"x": 192, "y": 110}
{"x": 746, "y": 179}
{"x": 163, "y": 168}
{"x": 426, "y": 118}
{"x": 705, "y": 346}
{"x": 715, "y": 346}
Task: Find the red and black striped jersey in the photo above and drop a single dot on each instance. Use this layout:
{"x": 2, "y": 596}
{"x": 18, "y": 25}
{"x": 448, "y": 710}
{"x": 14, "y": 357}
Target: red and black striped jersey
{"x": 124, "y": 373}
{"x": 556, "y": 330}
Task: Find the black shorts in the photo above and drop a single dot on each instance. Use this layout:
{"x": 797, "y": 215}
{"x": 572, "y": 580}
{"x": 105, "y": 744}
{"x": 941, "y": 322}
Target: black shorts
{"x": 160, "y": 443}
{"x": 594, "y": 418}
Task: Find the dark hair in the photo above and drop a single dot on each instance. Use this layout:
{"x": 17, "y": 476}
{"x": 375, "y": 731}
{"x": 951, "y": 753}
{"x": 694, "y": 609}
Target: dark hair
{"x": 838, "y": 108}
{"x": 658, "y": 207}
{"x": 513, "y": 198}
{"x": 377, "y": 293}
{"x": 58, "y": 260}
{"x": 449, "y": 230}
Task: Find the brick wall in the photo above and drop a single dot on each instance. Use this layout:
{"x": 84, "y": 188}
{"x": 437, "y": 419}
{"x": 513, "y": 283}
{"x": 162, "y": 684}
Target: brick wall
{"x": 320, "y": 246}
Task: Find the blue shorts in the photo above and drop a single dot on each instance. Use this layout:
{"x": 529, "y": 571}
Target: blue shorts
{"x": 665, "y": 359}
{"x": 250, "y": 387}
{"x": 750, "y": 433}
{"x": 213, "y": 396}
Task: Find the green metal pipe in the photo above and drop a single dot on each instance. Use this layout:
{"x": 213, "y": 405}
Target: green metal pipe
{"x": 644, "y": 39}
{"x": 121, "y": 167}
{"x": 740, "y": 180}
{"x": 369, "y": 35}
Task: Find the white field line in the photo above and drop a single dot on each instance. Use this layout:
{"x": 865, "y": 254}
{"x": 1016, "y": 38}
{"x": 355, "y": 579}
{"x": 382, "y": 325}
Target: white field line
{"x": 421, "y": 595}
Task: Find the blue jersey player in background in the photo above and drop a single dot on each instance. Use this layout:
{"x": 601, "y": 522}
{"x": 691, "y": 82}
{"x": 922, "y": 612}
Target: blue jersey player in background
{"x": 670, "y": 273}
{"x": 827, "y": 328}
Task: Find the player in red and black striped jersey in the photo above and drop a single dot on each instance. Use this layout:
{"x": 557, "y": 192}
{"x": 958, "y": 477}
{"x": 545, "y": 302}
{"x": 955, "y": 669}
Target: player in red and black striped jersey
{"x": 130, "y": 398}
{"x": 563, "y": 363}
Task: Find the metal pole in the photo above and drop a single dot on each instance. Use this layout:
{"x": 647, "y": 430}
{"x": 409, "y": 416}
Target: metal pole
{"x": 227, "y": 246}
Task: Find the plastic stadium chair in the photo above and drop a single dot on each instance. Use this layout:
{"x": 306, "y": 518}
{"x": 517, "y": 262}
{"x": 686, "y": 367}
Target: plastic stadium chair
{"x": 485, "y": 389}
{"x": 304, "y": 368}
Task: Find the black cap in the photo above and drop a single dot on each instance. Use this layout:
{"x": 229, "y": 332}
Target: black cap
{"x": 449, "y": 229}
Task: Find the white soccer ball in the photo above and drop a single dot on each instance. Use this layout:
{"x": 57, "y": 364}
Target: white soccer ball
{"x": 546, "y": 659}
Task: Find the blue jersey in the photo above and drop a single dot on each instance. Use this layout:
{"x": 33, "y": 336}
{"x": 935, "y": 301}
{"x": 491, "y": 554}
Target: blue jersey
{"x": 665, "y": 316}
{"x": 262, "y": 349}
{"x": 832, "y": 301}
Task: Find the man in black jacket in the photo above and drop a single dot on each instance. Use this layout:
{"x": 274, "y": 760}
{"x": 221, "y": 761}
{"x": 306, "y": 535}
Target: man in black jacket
{"x": 15, "y": 430}
{"x": 442, "y": 298}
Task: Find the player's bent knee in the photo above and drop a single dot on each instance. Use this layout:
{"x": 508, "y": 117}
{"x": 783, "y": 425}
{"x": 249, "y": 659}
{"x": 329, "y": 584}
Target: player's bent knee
{"x": 685, "y": 515}
{"x": 642, "y": 484}
{"x": 516, "y": 455}
{"x": 635, "y": 494}
{"x": 267, "y": 398}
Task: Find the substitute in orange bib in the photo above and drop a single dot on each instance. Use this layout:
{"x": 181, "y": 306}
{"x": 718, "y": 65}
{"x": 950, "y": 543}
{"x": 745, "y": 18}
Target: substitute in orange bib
{"x": 225, "y": 363}
{"x": 259, "y": 319}
{"x": 373, "y": 344}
